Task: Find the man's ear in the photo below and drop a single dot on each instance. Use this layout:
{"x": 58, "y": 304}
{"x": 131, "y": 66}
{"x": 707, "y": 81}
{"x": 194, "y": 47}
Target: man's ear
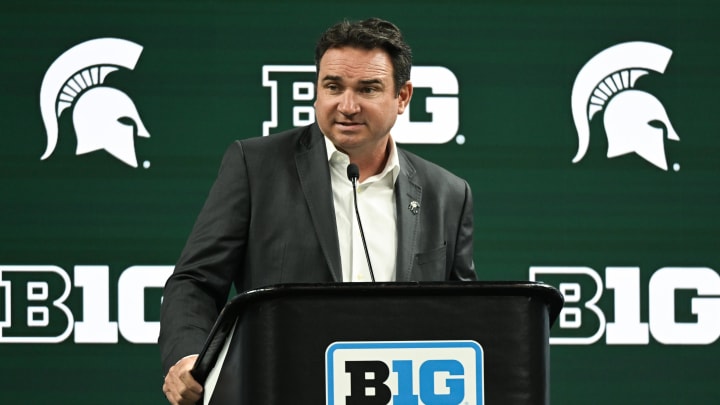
{"x": 404, "y": 96}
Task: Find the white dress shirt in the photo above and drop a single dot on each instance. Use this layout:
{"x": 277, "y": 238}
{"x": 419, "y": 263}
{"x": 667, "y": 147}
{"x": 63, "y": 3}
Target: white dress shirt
{"x": 376, "y": 203}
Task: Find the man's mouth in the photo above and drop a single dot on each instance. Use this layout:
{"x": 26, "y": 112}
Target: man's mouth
{"x": 348, "y": 124}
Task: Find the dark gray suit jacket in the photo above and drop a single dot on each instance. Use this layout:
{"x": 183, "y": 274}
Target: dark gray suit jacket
{"x": 269, "y": 219}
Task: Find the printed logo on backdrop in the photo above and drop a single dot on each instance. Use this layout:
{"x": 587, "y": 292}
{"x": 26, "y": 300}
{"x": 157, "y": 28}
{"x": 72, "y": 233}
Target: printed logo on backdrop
{"x": 634, "y": 120}
{"x": 678, "y": 306}
{"x": 414, "y": 372}
{"x": 103, "y": 117}
{"x": 35, "y": 304}
{"x": 292, "y": 91}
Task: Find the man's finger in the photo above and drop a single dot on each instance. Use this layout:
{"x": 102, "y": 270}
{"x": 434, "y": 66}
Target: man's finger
{"x": 190, "y": 383}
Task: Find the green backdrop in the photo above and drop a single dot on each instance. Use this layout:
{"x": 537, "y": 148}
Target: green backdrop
{"x": 641, "y": 240}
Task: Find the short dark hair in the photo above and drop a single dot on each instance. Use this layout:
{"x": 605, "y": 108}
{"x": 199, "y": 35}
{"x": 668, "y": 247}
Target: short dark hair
{"x": 370, "y": 34}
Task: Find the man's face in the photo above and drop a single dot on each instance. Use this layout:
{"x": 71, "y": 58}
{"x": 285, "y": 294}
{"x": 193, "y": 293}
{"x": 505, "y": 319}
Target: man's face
{"x": 356, "y": 104}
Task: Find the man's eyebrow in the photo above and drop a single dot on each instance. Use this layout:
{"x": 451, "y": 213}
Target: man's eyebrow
{"x": 335, "y": 78}
{"x": 371, "y": 81}
{"x": 331, "y": 78}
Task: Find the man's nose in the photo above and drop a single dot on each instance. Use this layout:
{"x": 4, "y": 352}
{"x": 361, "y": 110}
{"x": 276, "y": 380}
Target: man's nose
{"x": 348, "y": 104}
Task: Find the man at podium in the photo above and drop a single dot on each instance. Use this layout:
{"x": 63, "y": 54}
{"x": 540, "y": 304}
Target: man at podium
{"x": 335, "y": 201}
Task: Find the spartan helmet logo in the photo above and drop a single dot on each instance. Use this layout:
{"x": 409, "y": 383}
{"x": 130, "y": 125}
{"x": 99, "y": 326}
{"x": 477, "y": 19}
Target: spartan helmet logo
{"x": 76, "y": 77}
{"x": 631, "y": 116}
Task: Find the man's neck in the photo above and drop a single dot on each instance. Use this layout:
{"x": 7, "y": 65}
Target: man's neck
{"x": 371, "y": 162}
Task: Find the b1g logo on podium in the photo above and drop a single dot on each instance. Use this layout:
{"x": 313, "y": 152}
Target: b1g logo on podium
{"x": 404, "y": 373}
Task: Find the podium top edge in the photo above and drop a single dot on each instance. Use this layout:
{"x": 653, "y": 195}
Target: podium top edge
{"x": 545, "y": 292}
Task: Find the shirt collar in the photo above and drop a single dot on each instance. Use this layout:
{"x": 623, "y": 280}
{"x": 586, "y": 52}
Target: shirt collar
{"x": 391, "y": 165}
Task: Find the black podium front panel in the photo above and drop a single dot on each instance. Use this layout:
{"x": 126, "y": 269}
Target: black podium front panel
{"x": 278, "y": 351}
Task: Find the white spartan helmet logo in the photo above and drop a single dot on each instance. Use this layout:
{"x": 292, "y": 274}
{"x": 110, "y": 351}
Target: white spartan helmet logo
{"x": 607, "y": 82}
{"x": 77, "y": 77}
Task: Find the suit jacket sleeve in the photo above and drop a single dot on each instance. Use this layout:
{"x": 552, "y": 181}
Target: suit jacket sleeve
{"x": 199, "y": 286}
{"x": 464, "y": 267}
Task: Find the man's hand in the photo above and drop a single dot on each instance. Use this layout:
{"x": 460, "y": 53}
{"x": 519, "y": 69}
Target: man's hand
{"x": 180, "y": 387}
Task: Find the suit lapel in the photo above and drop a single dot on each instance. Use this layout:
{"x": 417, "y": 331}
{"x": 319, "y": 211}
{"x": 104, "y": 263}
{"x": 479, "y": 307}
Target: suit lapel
{"x": 407, "y": 192}
{"x": 314, "y": 174}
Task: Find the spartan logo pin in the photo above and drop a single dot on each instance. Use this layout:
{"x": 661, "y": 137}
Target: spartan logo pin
{"x": 101, "y": 114}
{"x": 634, "y": 120}
{"x": 414, "y": 207}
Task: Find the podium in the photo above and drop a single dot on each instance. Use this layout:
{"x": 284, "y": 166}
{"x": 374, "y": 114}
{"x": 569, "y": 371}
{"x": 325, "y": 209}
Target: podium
{"x": 474, "y": 342}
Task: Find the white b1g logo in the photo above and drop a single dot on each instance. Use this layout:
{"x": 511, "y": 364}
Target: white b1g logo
{"x": 583, "y": 322}
{"x": 34, "y": 304}
{"x": 292, "y": 91}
